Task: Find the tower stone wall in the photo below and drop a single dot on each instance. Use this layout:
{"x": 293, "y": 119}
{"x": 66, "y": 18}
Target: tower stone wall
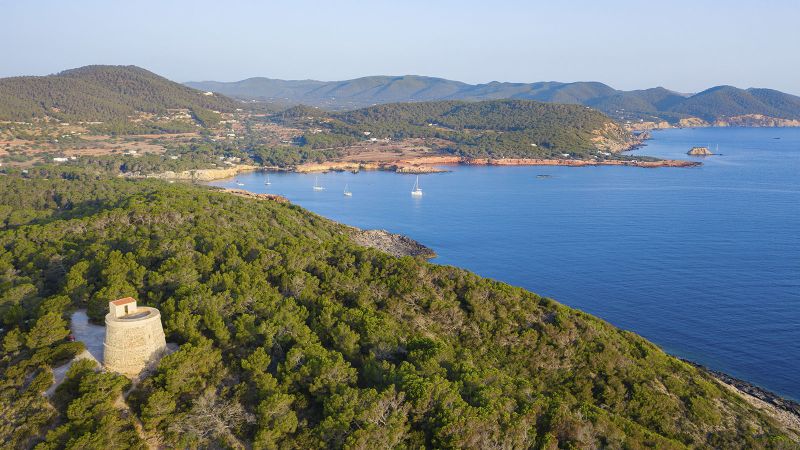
{"x": 133, "y": 340}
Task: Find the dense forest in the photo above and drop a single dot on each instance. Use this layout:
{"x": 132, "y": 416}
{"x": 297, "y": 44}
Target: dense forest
{"x": 497, "y": 128}
{"x": 102, "y": 93}
{"x": 292, "y": 336}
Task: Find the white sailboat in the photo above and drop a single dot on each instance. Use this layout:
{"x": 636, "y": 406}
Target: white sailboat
{"x": 417, "y": 191}
{"x": 317, "y": 187}
{"x": 347, "y": 192}
{"x": 267, "y": 183}
{"x": 239, "y": 183}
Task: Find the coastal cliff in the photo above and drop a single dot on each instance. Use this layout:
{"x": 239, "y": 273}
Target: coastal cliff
{"x": 198, "y": 174}
{"x": 615, "y": 138}
{"x": 429, "y": 164}
{"x": 580, "y": 162}
{"x": 392, "y": 166}
{"x": 745, "y": 120}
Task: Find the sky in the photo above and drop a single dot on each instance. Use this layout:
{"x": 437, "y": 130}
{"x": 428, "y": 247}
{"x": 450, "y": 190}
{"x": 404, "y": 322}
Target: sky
{"x": 683, "y": 45}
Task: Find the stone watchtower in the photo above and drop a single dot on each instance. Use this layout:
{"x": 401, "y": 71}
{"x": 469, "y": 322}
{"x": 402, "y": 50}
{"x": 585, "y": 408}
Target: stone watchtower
{"x": 134, "y": 337}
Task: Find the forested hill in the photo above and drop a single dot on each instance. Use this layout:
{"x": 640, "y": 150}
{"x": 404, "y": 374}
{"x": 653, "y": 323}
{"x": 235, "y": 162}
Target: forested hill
{"x": 717, "y": 103}
{"x": 292, "y": 336}
{"x": 497, "y": 128}
{"x": 99, "y": 93}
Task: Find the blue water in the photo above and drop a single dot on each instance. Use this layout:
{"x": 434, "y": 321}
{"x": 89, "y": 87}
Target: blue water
{"x": 703, "y": 261}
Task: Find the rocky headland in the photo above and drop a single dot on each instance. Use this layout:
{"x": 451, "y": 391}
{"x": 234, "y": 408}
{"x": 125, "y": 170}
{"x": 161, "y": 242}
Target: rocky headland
{"x": 745, "y": 120}
{"x": 198, "y": 174}
{"x": 391, "y": 243}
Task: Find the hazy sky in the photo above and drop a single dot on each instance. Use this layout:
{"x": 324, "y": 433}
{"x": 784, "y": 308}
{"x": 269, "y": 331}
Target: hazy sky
{"x": 683, "y": 45}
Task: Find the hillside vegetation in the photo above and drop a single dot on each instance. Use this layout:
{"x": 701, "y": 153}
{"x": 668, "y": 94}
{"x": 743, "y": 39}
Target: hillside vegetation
{"x": 292, "y": 336}
{"x": 649, "y": 104}
{"x": 497, "y": 128}
{"x": 99, "y": 93}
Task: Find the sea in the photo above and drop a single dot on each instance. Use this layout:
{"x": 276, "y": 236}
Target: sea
{"x": 703, "y": 261}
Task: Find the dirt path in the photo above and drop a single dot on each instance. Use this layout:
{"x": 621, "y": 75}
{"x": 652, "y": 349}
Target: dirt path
{"x": 92, "y": 337}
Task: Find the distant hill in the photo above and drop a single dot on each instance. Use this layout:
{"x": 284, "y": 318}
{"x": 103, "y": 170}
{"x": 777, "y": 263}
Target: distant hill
{"x": 730, "y": 101}
{"x": 657, "y": 104}
{"x": 489, "y": 128}
{"x": 99, "y": 93}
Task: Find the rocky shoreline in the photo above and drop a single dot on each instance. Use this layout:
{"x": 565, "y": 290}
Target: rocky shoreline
{"x": 197, "y": 174}
{"x": 745, "y": 120}
{"x": 783, "y": 410}
{"x": 347, "y": 166}
{"x": 431, "y": 164}
{"x": 248, "y": 194}
{"x": 582, "y": 162}
{"x": 390, "y": 243}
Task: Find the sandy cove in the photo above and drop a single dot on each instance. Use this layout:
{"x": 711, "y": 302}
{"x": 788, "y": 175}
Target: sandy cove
{"x": 426, "y": 164}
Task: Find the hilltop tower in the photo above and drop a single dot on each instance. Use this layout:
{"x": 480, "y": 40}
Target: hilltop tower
{"x": 134, "y": 337}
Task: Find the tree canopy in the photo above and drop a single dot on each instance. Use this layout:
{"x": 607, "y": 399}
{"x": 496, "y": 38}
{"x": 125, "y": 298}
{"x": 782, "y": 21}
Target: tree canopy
{"x": 292, "y": 336}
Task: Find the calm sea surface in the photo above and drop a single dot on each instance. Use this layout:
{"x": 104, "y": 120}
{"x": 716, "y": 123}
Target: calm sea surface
{"x": 703, "y": 261}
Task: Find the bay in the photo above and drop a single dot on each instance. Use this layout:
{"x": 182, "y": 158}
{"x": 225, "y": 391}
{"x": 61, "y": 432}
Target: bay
{"x": 703, "y": 261}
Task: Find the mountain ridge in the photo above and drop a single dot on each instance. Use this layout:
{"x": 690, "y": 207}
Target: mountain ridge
{"x": 100, "y": 92}
{"x": 654, "y": 104}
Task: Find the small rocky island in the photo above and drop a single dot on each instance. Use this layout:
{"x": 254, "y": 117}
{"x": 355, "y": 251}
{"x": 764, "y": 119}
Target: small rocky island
{"x": 699, "y": 151}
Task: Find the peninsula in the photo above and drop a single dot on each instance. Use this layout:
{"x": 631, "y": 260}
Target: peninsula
{"x": 161, "y": 129}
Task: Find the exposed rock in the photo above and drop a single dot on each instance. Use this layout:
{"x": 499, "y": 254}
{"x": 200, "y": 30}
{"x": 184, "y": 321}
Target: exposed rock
{"x": 699, "y": 151}
{"x": 745, "y": 120}
{"x": 393, "y": 166}
{"x": 614, "y": 138}
{"x": 417, "y": 168}
{"x": 197, "y": 174}
{"x": 391, "y": 243}
{"x": 755, "y": 120}
{"x": 786, "y": 412}
{"x": 648, "y": 125}
{"x": 336, "y": 166}
{"x": 248, "y": 194}
{"x": 443, "y": 160}
{"x": 691, "y": 122}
